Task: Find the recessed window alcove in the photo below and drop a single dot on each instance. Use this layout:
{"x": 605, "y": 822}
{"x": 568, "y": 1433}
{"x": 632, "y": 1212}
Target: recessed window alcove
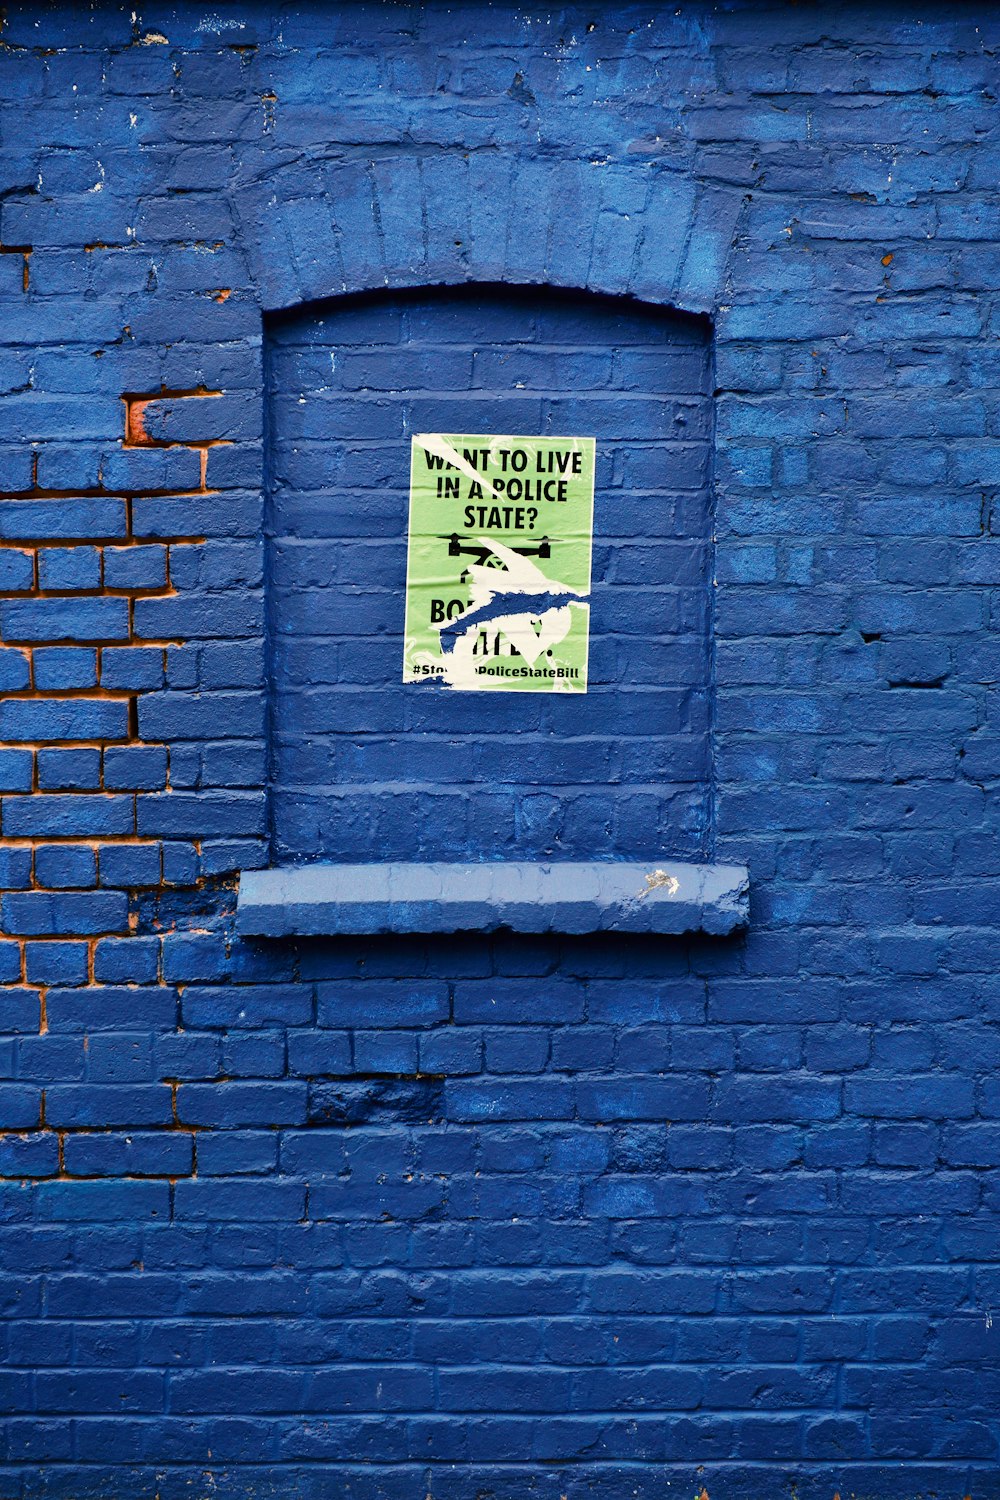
{"x": 368, "y": 770}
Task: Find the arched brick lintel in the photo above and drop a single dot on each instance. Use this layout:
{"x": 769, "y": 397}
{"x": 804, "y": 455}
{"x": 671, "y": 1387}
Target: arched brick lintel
{"x": 409, "y": 221}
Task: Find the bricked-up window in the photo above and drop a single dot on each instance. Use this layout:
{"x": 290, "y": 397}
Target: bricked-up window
{"x": 367, "y": 768}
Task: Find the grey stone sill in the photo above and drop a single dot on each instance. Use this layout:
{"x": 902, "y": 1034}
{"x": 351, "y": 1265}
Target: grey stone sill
{"x": 325, "y": 900}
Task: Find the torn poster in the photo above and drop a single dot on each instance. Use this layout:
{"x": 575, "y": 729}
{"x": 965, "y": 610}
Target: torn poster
{"x": 498, "y": 563}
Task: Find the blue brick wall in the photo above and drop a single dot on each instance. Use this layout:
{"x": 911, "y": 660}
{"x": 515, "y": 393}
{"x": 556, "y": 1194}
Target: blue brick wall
{"x": 510, "y": 1217}
{"x": 365, "y": 768}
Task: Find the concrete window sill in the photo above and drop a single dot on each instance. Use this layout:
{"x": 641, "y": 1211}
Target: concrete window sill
{"x": 328, "y": 900}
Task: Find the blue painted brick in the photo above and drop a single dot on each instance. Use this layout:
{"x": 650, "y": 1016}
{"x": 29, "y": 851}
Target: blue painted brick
{"x": 318, "y": 1053}
{"x": 69, "y": 770}
{"x": 258, "y": 1055}
{"x": 150, "y": 469}
{"x": 29, "y": 1156}
{"x": 134, "y": 959}
{"x": 201, "y": 716}
{"x": 170, "y": 517}
{"x": 111, "y": 1008}
{"x": 119, "y": 1057}
{"x": 64, "y": 865}
{"x": 105, "y": 1202}
{"x": 129, "y": 865}
{"x": 17, "y": 570}
{"x": 548, "y": 1099}
{"x": 235, "y": 1152}
{"x": 381, "y": 1003}
{"x": 242, "y": 1104}
{"x": 68, "y": 568}
{"x": 191, "y": 956}
{"x": 221, "y": 856}
{"x": 10, "y": 962}
{"x": 15, "y": 867}
{"x": 14, "y": 670}
{"x": 20, "y": 1106}
{"x": 175, "y": 814}
{"x": 165, "y": 1153}
{"x": 64, "y": 619}
{"x": 63, "y": 718}
{"x": 15, "y": 770}
{"x": 19, "y": 1008}
{"x": 56, "y": 963}
{"x": 68, "y": 815}
{"x": 135, "y": 567}
{"x": 108, "y": 1104}
{"x": 261, "y": 1201}
{"x": 244, "y": 1006}
{"x": 58, "y": 667}
{"x": 131, "y": 667}
{"x": 39, "y": 914}
{"x": 385, "y": 1052}
{"x": 30, "y": 520}
{"x": 455, "y": 1050}
{"x": 181, "y": 865}
{"x": 69, "y": 466}
{"x": 128, "y": 767}
{"x": 188, "y": 1055}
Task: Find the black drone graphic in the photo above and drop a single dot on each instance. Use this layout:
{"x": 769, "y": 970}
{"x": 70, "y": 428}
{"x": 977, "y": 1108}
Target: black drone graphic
{"x": 488, "y": 559}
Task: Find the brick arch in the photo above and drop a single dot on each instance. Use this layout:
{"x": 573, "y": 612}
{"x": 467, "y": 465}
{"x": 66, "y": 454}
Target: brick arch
{"x": 623, "y": 230}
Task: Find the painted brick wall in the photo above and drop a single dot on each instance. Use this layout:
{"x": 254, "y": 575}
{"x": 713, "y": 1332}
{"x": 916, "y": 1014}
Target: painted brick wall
{"x": 500, "y": 1217}
{"x": 366, "y": 768}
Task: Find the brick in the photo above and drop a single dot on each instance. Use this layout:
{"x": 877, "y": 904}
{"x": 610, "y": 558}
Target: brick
{"x": 131, "y": 667}
{"x": 17, "y": 570}
{"x": 106, "y": 1202}
{"x": 83, "y": 619}
{"x": 47, "y": 520}
{"x": 130, "y": 865}
{"x": 63, "y": 667}
{"x": 68, "y": 568}
{"x": 135, "y": 767}
{"x": 69, "y": 770}
{"x": 38, "y": 914}
{"x": 140, "y": 1154}
{"x": 934, "y": 1095}
{"x": 20, "y": 1106}
{"x": 247, "y": 1006}
{"x": 234, "y": 1152}
{"x": 151, "y": 469}
{"x": 56, "y": 963}
{"x": 63, "y": 719}
{"x": 29, "y": 1156}
{"x": 111, "y": 1007}
{"x": 60, "y": 866}
{"x": 20, "y": 1012}
{"x": 15, "y": 770}
{"x": 135, "y": 567}
{"x": 241, "y": 1104}
{"x": 68, "y": 815}
{"x": 15, "y": 868}
{"x": 380, "y": 1003}
{"x": 15, "y": 672}
{"x": 174, "y": 814}
{"x": 108, "y": 1104}
{"x": 135, "y": 959}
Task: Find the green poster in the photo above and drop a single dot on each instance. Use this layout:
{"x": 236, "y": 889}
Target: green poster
{"x": 498, "y": 566}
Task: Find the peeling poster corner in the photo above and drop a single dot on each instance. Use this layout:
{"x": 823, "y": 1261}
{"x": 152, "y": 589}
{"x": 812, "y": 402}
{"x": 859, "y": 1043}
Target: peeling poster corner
{"x": 498, "y": 562}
